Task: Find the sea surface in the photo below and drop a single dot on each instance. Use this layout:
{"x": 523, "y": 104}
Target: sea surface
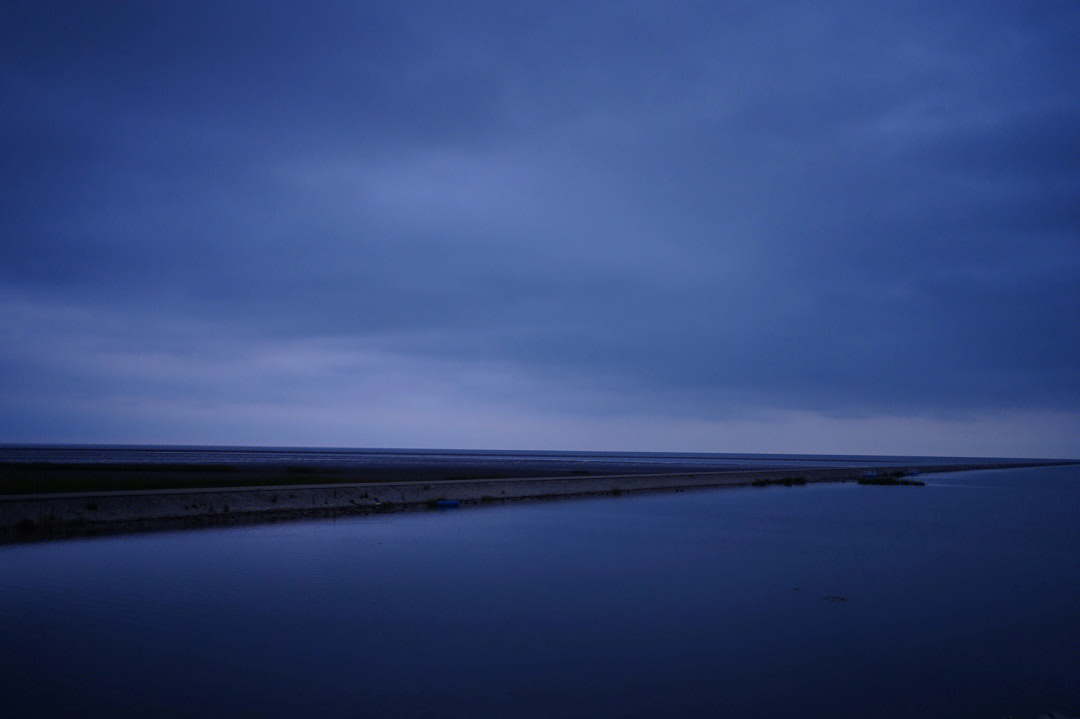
{"x": 443, "y": 459}
{"x": 957, "y": 599}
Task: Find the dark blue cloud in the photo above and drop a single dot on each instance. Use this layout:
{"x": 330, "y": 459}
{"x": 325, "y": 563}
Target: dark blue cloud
{"x": 701, "y": 212}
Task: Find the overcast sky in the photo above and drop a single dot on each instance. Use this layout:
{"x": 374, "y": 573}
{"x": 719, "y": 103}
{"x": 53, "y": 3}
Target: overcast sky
{"x": 734, "y": 227}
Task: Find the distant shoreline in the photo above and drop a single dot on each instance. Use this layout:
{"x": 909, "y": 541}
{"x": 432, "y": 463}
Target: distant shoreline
{"x": 58, "y": 514}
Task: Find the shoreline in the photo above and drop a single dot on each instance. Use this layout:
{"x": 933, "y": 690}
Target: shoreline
{"x": 40, "y": 517}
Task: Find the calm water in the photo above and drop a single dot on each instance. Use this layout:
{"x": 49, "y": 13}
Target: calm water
{"x": 432, "y": 458}
{"x": 960, "y": 599}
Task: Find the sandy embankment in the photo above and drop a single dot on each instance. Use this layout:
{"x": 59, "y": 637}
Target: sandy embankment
{"x": 44, "y": 516}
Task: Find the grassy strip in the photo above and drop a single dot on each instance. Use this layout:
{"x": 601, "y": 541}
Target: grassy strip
{"x": 44, "y": 480}
{"x": 784, "y": 482}
{"x": 890, "y": 481}
{"x": 52, "y": 477}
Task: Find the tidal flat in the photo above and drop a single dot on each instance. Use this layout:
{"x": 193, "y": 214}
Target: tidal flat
{"x": 66, "y": 495}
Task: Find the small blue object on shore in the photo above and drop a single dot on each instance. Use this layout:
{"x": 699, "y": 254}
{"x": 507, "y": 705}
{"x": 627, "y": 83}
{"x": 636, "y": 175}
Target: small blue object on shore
{"x": 447, "y": 504}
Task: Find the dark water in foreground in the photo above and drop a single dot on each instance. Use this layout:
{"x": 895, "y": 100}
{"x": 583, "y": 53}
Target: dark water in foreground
{"x": 960, "y": 599}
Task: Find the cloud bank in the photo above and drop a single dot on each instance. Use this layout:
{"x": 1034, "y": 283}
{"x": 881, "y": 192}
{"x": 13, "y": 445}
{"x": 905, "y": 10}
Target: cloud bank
{"x": 747, "y": 227}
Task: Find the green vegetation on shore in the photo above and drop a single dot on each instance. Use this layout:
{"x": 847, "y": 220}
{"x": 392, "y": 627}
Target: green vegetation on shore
{"x": 48, "y": 478}
{"x": 891, "y": 482}
{"x": 783, "y": 482}
{"x": 53, "y": 477}
{"x": 892, "y": 479}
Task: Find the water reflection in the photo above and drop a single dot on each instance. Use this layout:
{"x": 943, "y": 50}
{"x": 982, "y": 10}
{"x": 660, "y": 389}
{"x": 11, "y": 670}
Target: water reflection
{"x": 956, "y": 602}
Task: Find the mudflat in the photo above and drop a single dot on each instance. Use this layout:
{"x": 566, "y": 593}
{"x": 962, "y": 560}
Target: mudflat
{"x": 66, "y": 500}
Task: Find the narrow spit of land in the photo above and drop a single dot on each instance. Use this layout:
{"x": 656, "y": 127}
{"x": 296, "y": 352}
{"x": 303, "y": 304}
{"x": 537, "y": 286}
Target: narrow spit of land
{"x": 55, "y": 500}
